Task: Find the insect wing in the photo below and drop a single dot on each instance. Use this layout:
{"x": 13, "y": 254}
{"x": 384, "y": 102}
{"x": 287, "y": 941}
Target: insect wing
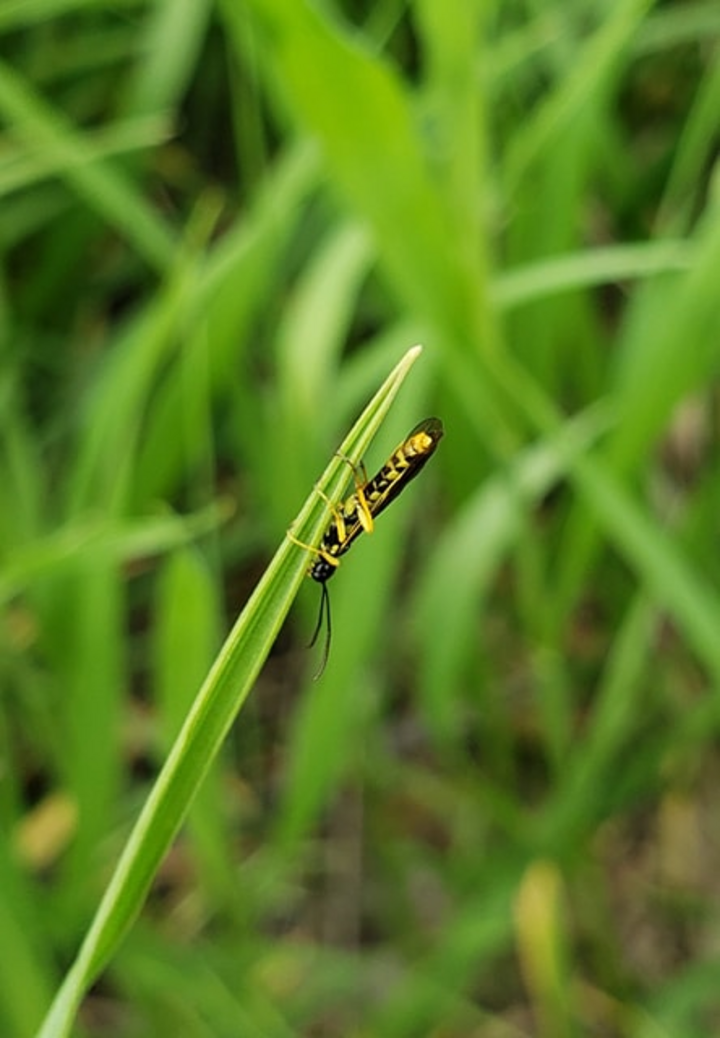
{"x": 406, "y": 461}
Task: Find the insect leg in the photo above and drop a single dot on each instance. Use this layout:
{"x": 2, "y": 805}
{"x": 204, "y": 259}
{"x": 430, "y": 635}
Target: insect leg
{"x": 330, "y": 559}
{"x": 360, "y": 477}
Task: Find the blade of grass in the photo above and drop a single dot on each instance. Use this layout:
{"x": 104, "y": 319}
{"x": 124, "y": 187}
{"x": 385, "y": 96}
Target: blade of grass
{"x": 122, "y": 539}
{"x": 615, "y": 263}
{"x": 97, "y": 184}
{"x": 377, "y": 159}
{"x": 173, "y": 37}
{"x": 591, "y": 70}
{"x": 214, "y": 710}
{"x": 657, "y": 560}
{"x": 24, "y": 169}
{"x": 469, "y": 554}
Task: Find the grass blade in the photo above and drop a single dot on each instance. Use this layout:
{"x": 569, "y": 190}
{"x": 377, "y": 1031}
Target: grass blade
{"x": 214, "y": 710}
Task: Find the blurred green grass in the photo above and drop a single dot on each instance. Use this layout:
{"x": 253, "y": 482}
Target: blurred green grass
{"x": 222, "y": 226}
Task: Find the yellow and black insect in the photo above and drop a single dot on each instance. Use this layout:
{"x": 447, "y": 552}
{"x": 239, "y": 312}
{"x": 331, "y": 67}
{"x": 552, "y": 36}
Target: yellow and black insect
{"x": 358, "y": 512}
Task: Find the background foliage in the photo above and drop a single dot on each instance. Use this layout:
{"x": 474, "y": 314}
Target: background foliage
{"x": 222, "y": 225}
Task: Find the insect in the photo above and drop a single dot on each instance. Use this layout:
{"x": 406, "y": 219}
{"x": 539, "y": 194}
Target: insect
{"x": 358, "y": 513}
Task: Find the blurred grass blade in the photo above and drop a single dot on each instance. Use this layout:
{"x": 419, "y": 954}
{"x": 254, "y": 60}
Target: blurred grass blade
{"x": 377, "y": 159}
{"x": 558, "y": 274}
{"x": 97, "y": 184}
{"x": 214, "y": 710}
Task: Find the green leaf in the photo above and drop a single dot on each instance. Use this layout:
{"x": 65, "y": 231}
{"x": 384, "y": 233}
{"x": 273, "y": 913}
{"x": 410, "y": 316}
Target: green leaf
{"x": 216, "y": 706}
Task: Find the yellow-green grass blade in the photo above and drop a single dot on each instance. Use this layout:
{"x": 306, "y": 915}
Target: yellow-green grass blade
{"x": 213, "y": 712}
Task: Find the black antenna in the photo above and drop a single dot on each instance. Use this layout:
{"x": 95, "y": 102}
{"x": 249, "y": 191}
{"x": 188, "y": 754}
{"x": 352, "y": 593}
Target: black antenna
{"x": 324, "y": 609}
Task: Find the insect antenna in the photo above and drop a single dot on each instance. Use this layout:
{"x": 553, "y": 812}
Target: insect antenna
{"x": 324, "y": 612}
